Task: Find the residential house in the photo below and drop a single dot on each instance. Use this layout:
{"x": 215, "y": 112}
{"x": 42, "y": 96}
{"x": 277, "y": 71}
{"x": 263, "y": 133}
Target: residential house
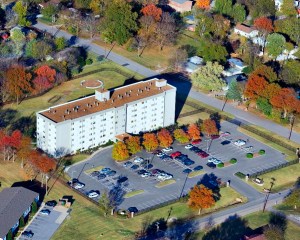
{"x": 245, "y": 31}
{"x": 190, "y": 23}
{"x": 181, "y": 5}
{"x": 236, "y": 66}
{"x": 193, "y": 64}
{"x": 15, "y": 202}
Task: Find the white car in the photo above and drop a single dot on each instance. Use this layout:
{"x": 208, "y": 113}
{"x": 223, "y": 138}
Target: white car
{"x": 217, "y": 161}
{"x": 168, "y": 149}
{"x": 239, "y": 142}
{"x": 138, "y": 160}
{"x": 78, "y": 185}
{"x": 212, "y": 159}
{"x": 248, "y": 148}
{"x": 93, "y": 194}
{"x": 146, "y": 174}
{"x": 164, "y": 177}
{"x": 45, "y": 212}
{"x": 188, "y": 146}
{"x": 160, "y": 154}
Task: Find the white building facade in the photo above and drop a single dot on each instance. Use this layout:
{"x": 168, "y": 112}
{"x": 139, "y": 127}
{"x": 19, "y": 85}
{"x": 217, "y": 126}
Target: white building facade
{"x": 94, "y": 120}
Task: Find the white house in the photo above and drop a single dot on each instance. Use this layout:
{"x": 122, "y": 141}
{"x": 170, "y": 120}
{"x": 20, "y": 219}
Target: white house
{"x": 245, "y": 31}
{"x": 193, "y": 64}
{"x": 94, "y": 120}
{"x": 236, "y": 66}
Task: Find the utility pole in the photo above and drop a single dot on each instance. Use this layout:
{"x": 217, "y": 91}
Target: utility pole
{"x": 183, "y": 185}
{"x": 268, "y": 194}
{"x": 292, "y": 121}
{"x": 226, "y": 99}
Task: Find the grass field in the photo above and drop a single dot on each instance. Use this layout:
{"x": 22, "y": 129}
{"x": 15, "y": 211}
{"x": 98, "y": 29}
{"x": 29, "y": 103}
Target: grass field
{"x": 260, "y": 219}
{"x": 71, "y": 90}
{"x": 285, "y": 178}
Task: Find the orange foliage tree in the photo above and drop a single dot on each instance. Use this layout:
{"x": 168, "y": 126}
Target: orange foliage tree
{"x": 153, "y": 11}
{"x": 17, "y": 81}
{"x": 181, "y": 136}
{"x": 194, "y": 131}
{"x": 24, "y": 150}
{"x": 264, "y": 26}
{"x": 255, "y": 86}
{"x": 133, "y": 144}
{"x": 150, "y": 141}
{"x": 209, "y": 127}
{"x": 165, "y": 138}
{"x": 204, "y": 4}
{"x": 45, "y": 78}
{"x": 286, "y": 100}
{"x": 201, "y": 197}
{"x": 267, "y": 72}
{"x": 271, "y": 90}
{"x": 120, "y": 151}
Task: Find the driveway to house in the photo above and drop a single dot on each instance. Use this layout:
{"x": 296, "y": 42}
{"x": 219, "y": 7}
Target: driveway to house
{"x": 241, "y": 115}
{"x": 44, "y": 226}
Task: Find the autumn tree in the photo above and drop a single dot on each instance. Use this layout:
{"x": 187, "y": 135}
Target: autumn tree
{"x": 120, "y": 152}
{"x": 150, "y": 141}
{"x": 45, "y": 78}
{"x": 209, "y": 77}
{"x": 264, "y": 26}
{"x": 203, "y": 4}
{"x": 289, "y": 26}
{"x": 209, "y": 127}
{"x": 288, "y": 8}
{"x": 17, "y": 82}
{"x": 194, "y": 131}
{"x": 286, "y": 100}
{"x": 165, "y": 138}
{"x": 255, "y": 86}
{"x": 267, "y": 72}
{"x": 153, "y": 11}
{"x": 21, "y": 10}
{"x": 133, "y": 144}
{"x": 24, "y": 149}
{"x": 10, "y": 144}
{"x": 290, "y": 72}
{"x": 275, "y": 44}
{"x": 181, "y": 136}
{"x": 60, "y": 43}
{"x": 201, "y": 197}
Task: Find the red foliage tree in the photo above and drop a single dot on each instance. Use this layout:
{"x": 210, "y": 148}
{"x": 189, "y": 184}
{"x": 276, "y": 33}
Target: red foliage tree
{"x": 153, "y": 11}
{"x": 209, "y": 127}
{"x": 255, "y": 87}
{"x": 204, "y": 4}
{"x": 286, "y": 100}
{"x": 194, "y": 131}
{"x": 164, "y": 137}
{"x": 264, "y": 26}
{"x": 10, "y": 144}
{"x": 17, "y": 81}
{"x": 45, "y": 78}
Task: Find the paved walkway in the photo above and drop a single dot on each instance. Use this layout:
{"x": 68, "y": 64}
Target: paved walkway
{"x": 246, "y": 117}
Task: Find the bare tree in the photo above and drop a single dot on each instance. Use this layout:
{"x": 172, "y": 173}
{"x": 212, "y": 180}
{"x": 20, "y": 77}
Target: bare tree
{"x": 91, "y": 25}
{"x": 178, "y": 58}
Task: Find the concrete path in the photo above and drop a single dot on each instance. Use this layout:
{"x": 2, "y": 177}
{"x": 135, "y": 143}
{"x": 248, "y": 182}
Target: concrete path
{"x": 246, "y": 117}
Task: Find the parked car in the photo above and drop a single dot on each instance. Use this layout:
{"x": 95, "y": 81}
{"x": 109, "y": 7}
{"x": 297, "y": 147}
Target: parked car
{"x": 78, "y": 185}
{"x": 226, "y": 142}
{"x": 203, "y": 154}
{"x": 248, "y": 148}
{"x": 101, "y": 176}
{"x": 127, "y": 164}
{"x": 239, "y": 142}
{"x": 225, "y": 134}
{"x": 105, "y": 170}
{"x": 122, "y": 180}
{"x": 72, "y": 181}
{"x": 27, "y": 234}
{"x": 111, "y": 173}
{"x": 168, "y": 149}
{"x": 211, "y": 165}
{"x": 212, "y": 159}
{"x": 51, "y": 203}
{"x": 164, "y": 176}
{"x": 140, "y": 172}
{"x": 156, "y": 152}
{"x": 146, "y": 174}
{"x": 138, "y": 160}
{"x": 195, "y": 149}
{"x": 134, "y": 167}
{"x": 165, "y": 157}
{"x": 188, "y": 146}
{"x": 187, "y": 171}
{"x": 93, "y": 194}
{"x": 217, "y": 161}
{"x": 175, "y": 154}
{"x": 95, "y": 174}
{"x": 45, "y": 212}
{"x": 156, "y": 172}
{"x": 160, "y": 154}
{"x": 188, "y": 162}
{"x": 195, "y": 142}
{"x": 198, "y": 168}
{"x": 214, "y": 136}
{"x": 148, "y": 166}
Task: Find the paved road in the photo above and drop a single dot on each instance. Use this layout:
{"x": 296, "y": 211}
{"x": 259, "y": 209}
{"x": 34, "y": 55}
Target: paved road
{"x": 241, "y": 115}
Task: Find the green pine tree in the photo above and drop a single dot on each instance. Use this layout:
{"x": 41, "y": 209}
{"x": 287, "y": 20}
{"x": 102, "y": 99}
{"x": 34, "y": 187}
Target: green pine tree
{"x": 234, "y": 91}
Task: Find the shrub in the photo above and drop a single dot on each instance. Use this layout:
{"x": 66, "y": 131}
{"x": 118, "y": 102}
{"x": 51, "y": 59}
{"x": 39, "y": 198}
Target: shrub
{"x": 89, "y": 61}
{"x": 220, "y": 165}
{"x": 240, "y": 175}
{"x": 34, "y": 207}
{"x": 233, "y": 160}
{"x": 22, "y": 222}
{"x": 249, "y": 155}
{"x": 261, "y": 152}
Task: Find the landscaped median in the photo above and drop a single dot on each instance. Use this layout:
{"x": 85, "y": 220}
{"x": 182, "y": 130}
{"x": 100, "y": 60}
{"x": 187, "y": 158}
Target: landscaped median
{"x": 165, "y": 183}
{"x": 133, "y": 193}
{"x": 196, "y": 173}
{"x": 93, "y": 169}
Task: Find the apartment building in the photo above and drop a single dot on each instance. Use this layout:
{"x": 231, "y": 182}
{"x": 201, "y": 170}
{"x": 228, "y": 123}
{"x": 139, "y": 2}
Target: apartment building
{"x": 91, "y": 121}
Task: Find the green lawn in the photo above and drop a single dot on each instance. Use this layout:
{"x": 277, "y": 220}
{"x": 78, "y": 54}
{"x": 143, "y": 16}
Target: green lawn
{"x": 285, "y": 178}
{"x": 260, "y": 219}
{"x": 71, "y": 90}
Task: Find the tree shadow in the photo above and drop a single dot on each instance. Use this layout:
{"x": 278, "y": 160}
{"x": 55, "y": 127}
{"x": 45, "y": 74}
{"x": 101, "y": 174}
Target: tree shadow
{"x": 212, "y": 182}
{"x": 116, "y": 195}
{"x": 182, "y": 229}
{"x": 217, "y": 118}
{"x": 72, "y": 41}
{"x": 33, "y": 185}
{"x": 26, "y": 124}
{"x": 232, "y": 228}
{"x": 278, "y": 220}
{"x": 7, "y": 116}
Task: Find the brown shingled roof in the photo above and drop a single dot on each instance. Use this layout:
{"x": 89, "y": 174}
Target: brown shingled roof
{"x": 90, "y": 105}
{"x": 244, "y": 28}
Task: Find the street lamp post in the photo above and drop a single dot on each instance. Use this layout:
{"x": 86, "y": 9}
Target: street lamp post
{"x": 292, "y": 120}
{"x": 268, "y": 194}
{"x": 82, "y": 169}
{"x": 183, "y": 185}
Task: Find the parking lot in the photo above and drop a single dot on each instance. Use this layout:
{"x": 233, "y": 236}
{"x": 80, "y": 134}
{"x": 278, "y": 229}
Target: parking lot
{"x": 44, "y": 226}
{"x": 223, "y": 149}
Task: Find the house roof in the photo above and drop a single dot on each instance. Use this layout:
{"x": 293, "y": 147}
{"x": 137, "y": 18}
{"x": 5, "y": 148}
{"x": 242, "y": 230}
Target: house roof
{"x": 13, "y": 203}
{"x": 244, "y": 28}
{"x": 180, "y": 1}
{"x": 119, "y": 97}
{"x": 255, "y": 237}
{"x": 236, "y": 62}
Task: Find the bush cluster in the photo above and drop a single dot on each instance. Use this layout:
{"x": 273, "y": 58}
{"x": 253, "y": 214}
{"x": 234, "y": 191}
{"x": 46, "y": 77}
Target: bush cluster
{"x": 240, "y": 175}
{"x": 249, "y": 155}
{"x": 233, "y": 160}
{"x": 220, "y": 165}
{"x": 261, "y": 152}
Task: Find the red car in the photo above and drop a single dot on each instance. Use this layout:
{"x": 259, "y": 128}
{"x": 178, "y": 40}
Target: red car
{"x": 175, "y": 154}
{"x": 214, "y": 136}
{"x": 203, "y": 154}
{"x": 196, "y": 141}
